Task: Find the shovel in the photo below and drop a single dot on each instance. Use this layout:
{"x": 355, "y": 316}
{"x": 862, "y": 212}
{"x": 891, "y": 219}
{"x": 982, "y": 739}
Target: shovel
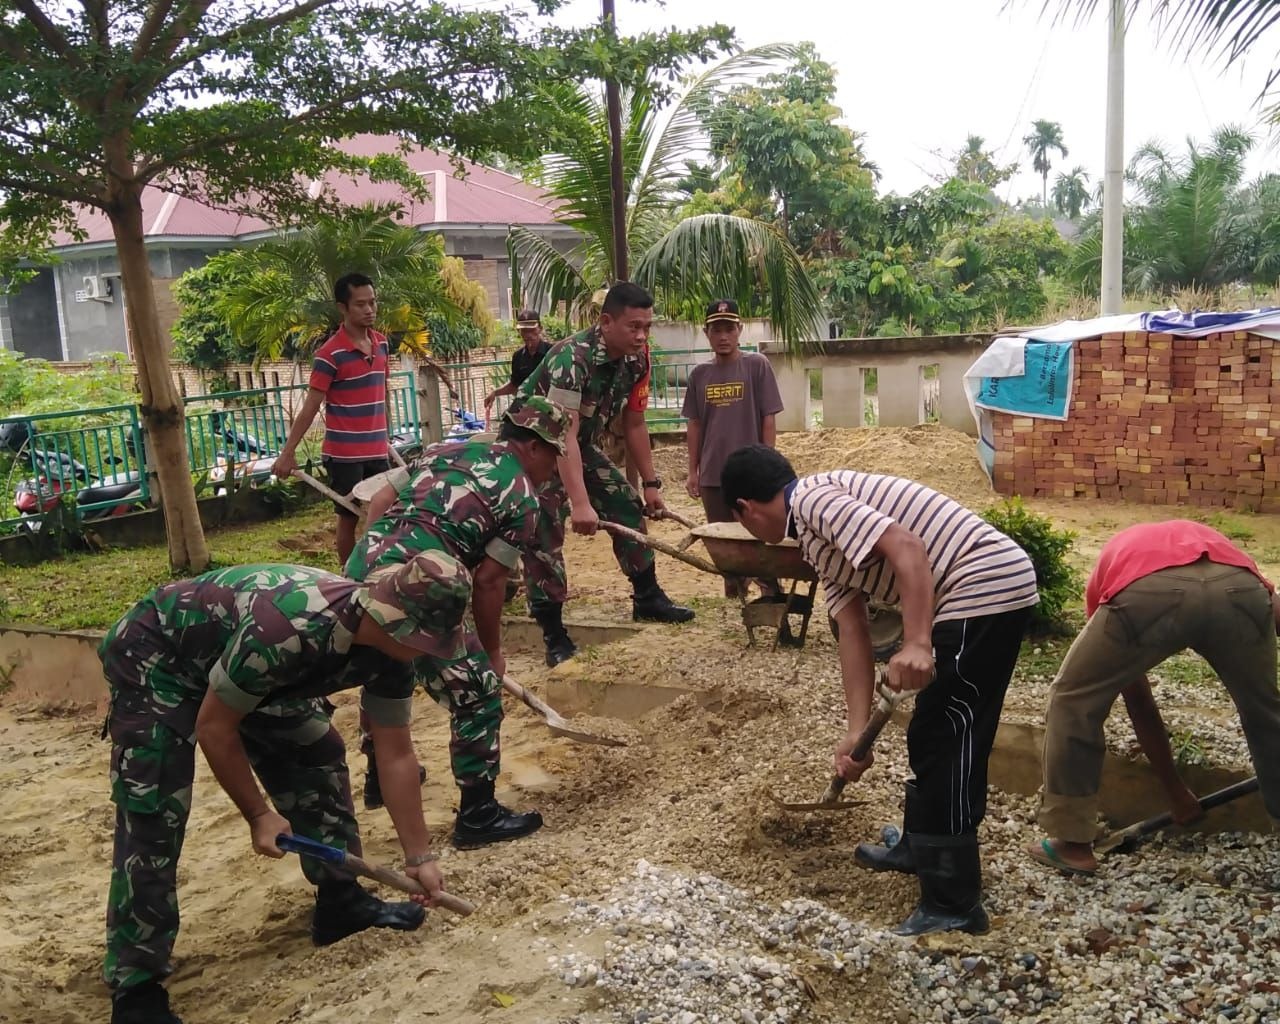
{"x": 360, "y": 866}
{"x": 1126, "y": 840}
{"x": 328, "y": 492}
{"x": 880, "y": 715}
{"x": 625, "y": 532}
{"x": 556, "y": 722}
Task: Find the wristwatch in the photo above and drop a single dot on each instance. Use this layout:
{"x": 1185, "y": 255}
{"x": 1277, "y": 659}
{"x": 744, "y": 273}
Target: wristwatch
{"x": 655, "y": 483}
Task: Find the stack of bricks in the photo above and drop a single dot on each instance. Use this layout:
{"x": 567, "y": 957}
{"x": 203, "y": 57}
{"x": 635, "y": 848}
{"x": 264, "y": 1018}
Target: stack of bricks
{"x": 1155, "y": 419}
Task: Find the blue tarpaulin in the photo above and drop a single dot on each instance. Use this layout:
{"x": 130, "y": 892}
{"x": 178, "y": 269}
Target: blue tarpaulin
{"x": 1044, "y": 387}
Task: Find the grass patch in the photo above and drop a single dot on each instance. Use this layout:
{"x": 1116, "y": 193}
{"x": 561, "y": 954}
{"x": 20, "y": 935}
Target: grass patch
{"x": 1042, "y": 657}
{"x": 1230, "y": 527}
{"x": 1187, "y": 748}
{"x": 1188, "y": 668}
{"x": 91, "y": 591}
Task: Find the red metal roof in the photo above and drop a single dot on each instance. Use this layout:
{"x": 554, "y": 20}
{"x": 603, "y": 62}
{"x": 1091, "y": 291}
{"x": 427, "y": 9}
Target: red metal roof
{"x": 484, "y": 195}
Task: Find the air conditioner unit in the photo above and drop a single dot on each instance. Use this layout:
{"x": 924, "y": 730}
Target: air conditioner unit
{"x": 93, "y": 288}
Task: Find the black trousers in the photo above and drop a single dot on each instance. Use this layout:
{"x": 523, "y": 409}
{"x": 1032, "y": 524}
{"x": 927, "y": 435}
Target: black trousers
{"x": 954, "y": 723}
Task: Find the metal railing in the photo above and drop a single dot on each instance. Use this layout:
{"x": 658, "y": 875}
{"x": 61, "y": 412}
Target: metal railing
{"x": 105, "y": 447}
{"x": 669, "y": 380}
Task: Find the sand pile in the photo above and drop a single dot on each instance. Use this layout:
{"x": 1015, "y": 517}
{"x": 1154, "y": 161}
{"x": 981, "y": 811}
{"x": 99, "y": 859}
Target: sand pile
{"x": 943, "y": 458}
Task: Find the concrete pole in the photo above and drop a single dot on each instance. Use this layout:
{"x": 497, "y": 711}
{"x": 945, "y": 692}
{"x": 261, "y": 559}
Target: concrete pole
{"x": 1113, "y": 175}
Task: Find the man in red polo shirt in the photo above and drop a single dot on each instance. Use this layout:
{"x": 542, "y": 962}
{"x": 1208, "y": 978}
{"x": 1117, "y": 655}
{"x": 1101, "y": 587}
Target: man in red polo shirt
{"x": 349, "y": 378}
{"x": 1157, "y": 588}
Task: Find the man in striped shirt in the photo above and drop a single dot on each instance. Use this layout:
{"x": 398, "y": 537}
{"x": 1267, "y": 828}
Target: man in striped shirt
{"x": 966, "y": 592}
{"x": 349, "y": 378}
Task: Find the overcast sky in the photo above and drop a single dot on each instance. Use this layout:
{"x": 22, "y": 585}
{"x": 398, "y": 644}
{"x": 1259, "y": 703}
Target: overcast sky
{"x": 919, "y": 75}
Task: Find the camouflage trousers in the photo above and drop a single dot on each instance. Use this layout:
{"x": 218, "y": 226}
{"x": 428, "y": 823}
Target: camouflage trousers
{"x": 471, "y": 692}
{"x": 613, "y": 499}
{"x": 298, "y": 757}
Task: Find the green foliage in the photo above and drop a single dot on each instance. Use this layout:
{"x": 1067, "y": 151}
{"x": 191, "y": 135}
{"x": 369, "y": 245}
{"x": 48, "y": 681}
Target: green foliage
{"x": 975, "y": 165}
{"x": 1071, "y": 192}
{"x": 451, "y": 340}
{"x": 1195, "y": 222}
{"x": 202, "y": 336}
{"x": 686, "y": 263}
{"x": 32, "y": 386}
{"x": 1057, "y": 580}
{"x": 1187, "y": 748}
{"x": 1044, "y": 137}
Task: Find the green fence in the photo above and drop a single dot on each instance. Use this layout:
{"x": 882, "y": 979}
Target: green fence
{"x": 668, "y": 383}
{"x": 98, "y": 454}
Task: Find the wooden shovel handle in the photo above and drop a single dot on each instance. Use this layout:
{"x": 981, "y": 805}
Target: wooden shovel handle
{"x": 398, "y": 880}
{"x": 530, "y": 699}
{"x": 667, "y": 513}
{"x": 618, "y": 530}
{"x": 328, "y": 492}
{"x": 880, "y": 715}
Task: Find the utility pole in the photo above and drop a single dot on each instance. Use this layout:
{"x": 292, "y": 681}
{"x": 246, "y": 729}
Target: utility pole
{"x": 617, "y": 184}
{"x": 1113, "y": 172}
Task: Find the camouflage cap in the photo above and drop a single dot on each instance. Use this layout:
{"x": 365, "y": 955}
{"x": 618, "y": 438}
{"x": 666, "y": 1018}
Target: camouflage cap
{"x": 546, "y": 419}
{"x": 421, "y": 603}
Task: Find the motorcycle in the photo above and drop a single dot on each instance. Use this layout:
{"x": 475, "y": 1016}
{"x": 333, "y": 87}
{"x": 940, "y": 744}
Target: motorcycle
{"x": 57, "y": 472}
{"x": 252, "y": 457}
{"x": 465, "y": 424}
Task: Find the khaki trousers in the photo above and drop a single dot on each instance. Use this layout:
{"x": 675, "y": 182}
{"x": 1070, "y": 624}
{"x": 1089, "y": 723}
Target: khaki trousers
{"x": 1221, "y": 612}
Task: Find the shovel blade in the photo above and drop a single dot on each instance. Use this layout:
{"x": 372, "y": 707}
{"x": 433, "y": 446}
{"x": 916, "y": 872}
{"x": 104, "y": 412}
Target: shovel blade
{"x": 561, "y": 727}
{"x": 819, "y": 805}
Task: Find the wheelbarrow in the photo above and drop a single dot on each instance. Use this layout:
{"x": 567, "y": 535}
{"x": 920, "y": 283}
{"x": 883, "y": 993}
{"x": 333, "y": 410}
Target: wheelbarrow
{"x": 736, "y": 554}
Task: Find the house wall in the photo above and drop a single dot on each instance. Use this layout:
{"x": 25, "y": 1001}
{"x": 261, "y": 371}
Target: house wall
{"x": 1156, "y": 419}
{"x": 29, "y": 319}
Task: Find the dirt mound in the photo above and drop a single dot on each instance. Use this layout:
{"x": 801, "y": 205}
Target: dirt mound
{"x": 940, "y": 457}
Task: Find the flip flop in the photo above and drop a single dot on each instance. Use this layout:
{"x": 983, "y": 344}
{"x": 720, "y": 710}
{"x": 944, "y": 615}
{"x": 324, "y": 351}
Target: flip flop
{"x": 1045, "y": 854}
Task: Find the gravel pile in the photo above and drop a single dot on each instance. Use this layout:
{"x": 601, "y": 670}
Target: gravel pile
{"x": 696, "y": 949}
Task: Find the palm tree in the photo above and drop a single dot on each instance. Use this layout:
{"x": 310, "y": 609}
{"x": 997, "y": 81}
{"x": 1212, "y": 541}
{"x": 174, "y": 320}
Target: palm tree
{"x": 1071, "y": 192}
{"x": 976, "y": 164}
{"x": 684, "y": 263}
{"x": 1194, "y": 225}
{"x": 1043, "y": 137}
{"x": 283, "y": 295}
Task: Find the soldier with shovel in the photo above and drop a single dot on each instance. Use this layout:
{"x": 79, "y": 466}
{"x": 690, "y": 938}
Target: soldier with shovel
{"x": 966, "y": 592}
{"x": 1157, "y": 588}
{"x": 237, "y": 661}
{"x": 474, "y": 506}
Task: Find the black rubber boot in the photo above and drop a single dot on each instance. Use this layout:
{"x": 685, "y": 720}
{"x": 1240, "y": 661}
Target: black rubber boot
{"x": 344, "y": 908}
{"x": 950, "y": 886}
{"x": 559, "y": 644}
{"x": 649, "y": 603}
{"x": 147, "y": 1003}
{"x": 893, "y": 853}
{"x": 372, "y": 787}
{"x": 482, "y": 820}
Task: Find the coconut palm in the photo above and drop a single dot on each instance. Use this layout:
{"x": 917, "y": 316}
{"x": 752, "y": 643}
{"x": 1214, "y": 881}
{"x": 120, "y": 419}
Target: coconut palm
{"x": 1071, "y": 192}
{"x": 283, "y": 298}
{"x": 684, "y": 263}
{"x": 1044, "y": 137}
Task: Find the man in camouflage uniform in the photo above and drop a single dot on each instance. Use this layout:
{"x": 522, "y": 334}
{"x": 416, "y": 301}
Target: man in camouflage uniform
{"x": 472, "y": 508}
{"x": 595, "y": 375}
{"x": 237, "y": 661}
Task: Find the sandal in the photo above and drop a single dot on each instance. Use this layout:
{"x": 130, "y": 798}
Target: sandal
{"x": 1046, "y": 854}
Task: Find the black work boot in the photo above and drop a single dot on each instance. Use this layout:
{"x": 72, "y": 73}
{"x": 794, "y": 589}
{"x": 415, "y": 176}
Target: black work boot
{"x": 482, "y": 820}
{"x": 892, "y": 854}
{"x": 559, "y": 644}
{"x": 372, "y": 787}
{"x": 950, "y": 875}
{"x": 344, "y": 908}
{"x": 650, "y": 604}
{"x": 147, "y": 1003}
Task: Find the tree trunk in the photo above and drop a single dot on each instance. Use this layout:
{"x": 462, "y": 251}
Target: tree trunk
{"x": 160, "y": 405}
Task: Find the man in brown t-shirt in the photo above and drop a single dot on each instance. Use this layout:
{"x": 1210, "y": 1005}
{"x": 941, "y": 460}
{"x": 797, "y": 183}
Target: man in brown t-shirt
{"x": 730, "y": 402}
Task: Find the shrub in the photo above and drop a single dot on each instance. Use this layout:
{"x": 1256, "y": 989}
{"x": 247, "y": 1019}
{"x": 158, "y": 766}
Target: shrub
{"x": 1058, "y": 582}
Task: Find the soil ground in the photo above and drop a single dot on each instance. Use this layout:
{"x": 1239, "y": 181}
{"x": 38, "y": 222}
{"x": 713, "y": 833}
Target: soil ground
{"x": 690, "y": 793}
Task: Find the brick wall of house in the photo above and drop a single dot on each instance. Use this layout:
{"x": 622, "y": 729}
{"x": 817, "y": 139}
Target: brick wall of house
{"x": 1155, "y": 419}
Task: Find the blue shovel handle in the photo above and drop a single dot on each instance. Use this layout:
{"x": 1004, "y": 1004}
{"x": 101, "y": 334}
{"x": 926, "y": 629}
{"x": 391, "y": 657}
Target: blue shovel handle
{"x": 311, "y": 848}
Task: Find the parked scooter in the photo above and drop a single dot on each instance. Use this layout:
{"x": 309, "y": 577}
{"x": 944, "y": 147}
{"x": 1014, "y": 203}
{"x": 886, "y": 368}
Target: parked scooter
{"x": 57, "y": 472}
{"x": 465, "y": 424}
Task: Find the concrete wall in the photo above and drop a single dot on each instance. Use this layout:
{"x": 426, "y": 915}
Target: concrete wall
{"x": 29, "y": 319}
{"x": 52, "y": 666}
{"x": 901, "y": 385}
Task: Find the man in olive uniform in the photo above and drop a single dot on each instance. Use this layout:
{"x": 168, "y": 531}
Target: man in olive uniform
{"x": 236, "y": 660}
{"x": 595, "y": 374}
{"x": 474, "y": 506}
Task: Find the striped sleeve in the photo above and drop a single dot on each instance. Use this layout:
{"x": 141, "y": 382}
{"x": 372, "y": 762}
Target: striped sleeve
{"x": 849, "y": 526}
